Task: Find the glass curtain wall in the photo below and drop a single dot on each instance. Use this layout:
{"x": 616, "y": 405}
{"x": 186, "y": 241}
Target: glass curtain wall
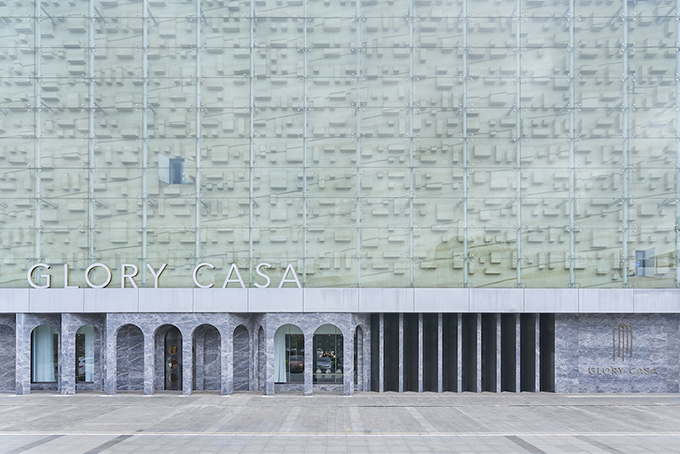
{"x": 289, "y": 355}
{"x": 390, "y": 143}
{"x": 44, "y": 354}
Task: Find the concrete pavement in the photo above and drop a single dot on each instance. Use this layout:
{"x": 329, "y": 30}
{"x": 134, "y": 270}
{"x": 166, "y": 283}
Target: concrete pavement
{"x": 90, "y": 422}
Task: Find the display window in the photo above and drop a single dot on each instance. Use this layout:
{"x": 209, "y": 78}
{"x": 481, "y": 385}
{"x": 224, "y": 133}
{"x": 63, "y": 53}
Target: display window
{"x": 328, "y": 356}
{"x": 44, "y": 354}
{"x": 85, "y": 354}
{"x": 289, "y": 355}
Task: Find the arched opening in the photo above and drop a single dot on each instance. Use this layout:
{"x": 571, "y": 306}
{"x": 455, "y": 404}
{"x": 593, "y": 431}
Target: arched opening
{"x": 168, "y": 352}
{"x": 260, "y": 359}
{"x": 44, "y": 354}
{"x": 241, "y": 359}
{"x": 359, "y": 359}
{"x": 85, "y": 354}
{"x": 289, "y": 355}
{"x": 129, "y": 359}
{"x": 207, "y": 348}
{"x": 8, "y": 358}
{"x": 328, "y": 354}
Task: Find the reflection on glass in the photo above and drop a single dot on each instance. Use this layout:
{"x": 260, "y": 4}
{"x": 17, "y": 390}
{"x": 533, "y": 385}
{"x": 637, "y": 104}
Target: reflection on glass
{"x": 328, "y": 364}
{"x": 289, "y": 355}
{"x": 44, "y": 355}
{"x": 85, "y": 354}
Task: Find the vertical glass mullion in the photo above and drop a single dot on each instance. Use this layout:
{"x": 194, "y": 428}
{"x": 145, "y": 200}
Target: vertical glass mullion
{"x": 90, "y": 139}
{"x": 624, "y": 152}
{"x": 199, "y": 108}
{"x": 304, "y": 143}
{"x": 410, "y": 140}
{"x": 145, "y": 134}
{"x": 572, "y": 172}
{"x": 357, "y": 109}
{"x": 37, "y": 18}
{"x": 677, "y": 148}
{"x": 518, "y": 140}
{"x": 250, "y": 144}
{"x": 466, "y": 261}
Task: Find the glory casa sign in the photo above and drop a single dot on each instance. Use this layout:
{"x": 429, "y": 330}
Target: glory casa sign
{"x": 129, "y": 271}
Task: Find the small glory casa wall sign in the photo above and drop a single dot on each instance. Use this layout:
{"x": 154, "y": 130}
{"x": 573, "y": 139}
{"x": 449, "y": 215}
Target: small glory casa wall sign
{"x": 129, "y": 271}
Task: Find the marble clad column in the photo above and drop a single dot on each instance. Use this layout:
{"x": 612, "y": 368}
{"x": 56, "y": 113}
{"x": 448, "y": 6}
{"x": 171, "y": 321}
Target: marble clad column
{"x": 348, "y": 364}
{"x": 149, "y": 362}
{"x": 23, "y": 356}
{"x": 440, "y": 353}
{"x": 479, "y": 353}
{"x": 226, "y": 361}
{"x": 420, "y": 353}
{"x": 254, "y": 365}
{"x": 537, "y": 353}
{"x": 269, "y": 363}
{"x": 367, "y": 357}
{"x": 199, "y": 346}
{"x": 381, "y": 355}
{"x": 498, "y": 353}
{"x": 309, "y": 363}
{"x": 360, "y": 358}
{"x": 110, "y": 380}
{"x": 459, "y": 354}
{"x": 187, "y": 361}
{"x": 67, "y": 354}
{"x": 229, "y": 359}
{"x": 401, "y": 353}
{"x": 251, "y": 359}
{"x": 518, "y": 358}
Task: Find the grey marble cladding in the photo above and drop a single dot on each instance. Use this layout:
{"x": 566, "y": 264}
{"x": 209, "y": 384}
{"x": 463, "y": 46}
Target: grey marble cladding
{"x": 585, "y": 361}
{"x": 241, "y": 359}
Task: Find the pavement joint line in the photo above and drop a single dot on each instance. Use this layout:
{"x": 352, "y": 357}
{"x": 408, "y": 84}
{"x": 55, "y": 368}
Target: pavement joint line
{"x": 34, "y": 444}
{"x": 344, "y": 434}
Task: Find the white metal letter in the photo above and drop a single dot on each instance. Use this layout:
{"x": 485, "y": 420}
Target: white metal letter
{"x": 257, "y": 270}
{"x": 66, "y": 278}
{"x": 29, "y": 275}
{"x": 238, "y": 275}
{"x": 109, "y": 275}
{"x": 131, "y": 276}
{"x": 294, "y": 279}
{"x": 195, "y": 276}
{"x": 156, "y": 275}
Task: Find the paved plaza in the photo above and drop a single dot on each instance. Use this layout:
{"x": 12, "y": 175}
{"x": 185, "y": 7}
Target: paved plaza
{"x": 367, "y": 422}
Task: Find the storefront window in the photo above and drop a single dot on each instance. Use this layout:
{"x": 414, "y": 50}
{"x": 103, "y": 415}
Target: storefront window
{"x": 44, "y": 354}
{"x": 85, "y": 354}
{"x": 328, "y": 364}
{"x": 289, "y": 355}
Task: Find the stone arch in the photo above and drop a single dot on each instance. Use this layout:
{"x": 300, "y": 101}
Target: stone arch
{"x": 160, "y": 353}
{"x": 129, "y": 358}
{"x": 241, "y": 360}
{"x": 8, "y": 358}
{"x": 328, "y": 354}
{"x": 87, "y": 344}
{"x": 289, "y": 345}
{"x": 44, "y": 354}
{"x": 207, "y": 358}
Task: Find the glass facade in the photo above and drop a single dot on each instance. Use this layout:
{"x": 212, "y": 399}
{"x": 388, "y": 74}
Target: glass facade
{"x": 44, "y": 354}
{"x": 328, "y": 355}
{"x": 289, "y": 355}
{"x": 85, "y": 354}
{"x": 373, "y": 143}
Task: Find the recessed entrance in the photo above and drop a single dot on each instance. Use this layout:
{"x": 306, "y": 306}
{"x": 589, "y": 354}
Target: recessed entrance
{"x": 173, "y": 359}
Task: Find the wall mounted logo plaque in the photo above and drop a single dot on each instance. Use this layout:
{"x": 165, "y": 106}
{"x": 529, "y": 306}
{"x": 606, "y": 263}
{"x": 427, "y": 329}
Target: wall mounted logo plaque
{"x": 622, "y": 340}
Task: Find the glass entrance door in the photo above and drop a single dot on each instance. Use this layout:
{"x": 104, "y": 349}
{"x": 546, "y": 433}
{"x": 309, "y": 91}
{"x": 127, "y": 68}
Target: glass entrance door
{"x": 173, "y": 359}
